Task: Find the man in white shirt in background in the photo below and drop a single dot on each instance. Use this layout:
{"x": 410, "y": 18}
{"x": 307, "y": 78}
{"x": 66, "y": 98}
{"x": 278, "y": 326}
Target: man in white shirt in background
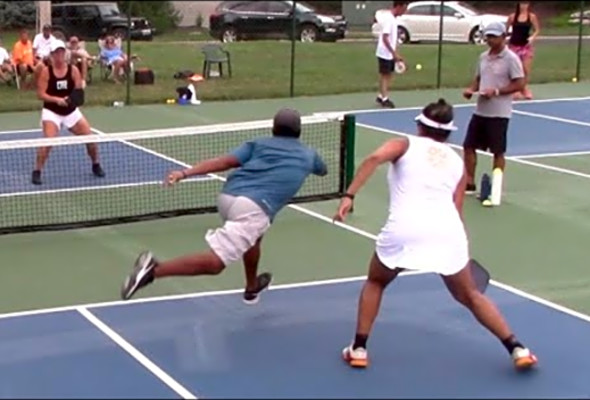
{"x": 387, "y": 53}
{"x": 5, "y": 65}
{"x": 42, "y": 47}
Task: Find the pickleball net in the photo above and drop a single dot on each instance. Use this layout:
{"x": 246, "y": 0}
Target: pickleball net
{"x": 136, "y": 164}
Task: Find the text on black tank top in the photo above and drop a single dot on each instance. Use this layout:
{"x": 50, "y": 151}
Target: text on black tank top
{"x": 60, "y": 87}
{"x": 521, "y": 31}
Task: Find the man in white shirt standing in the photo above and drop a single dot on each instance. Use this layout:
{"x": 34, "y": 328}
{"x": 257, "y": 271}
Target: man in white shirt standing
{"x": 387, "y": 53}
{"x": 42, "y": 47}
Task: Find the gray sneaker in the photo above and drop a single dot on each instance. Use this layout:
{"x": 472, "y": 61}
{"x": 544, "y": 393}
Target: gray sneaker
{"x": 142, "y": 275}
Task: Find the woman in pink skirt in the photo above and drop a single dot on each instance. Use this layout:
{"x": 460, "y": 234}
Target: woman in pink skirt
{"x": 522, "y": 22}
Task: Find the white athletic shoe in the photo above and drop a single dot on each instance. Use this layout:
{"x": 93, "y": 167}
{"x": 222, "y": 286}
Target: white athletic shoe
{"x": 523, "y": 358}
{"x": 356, "y": 358}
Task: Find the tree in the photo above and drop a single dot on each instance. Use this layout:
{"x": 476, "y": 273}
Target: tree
{"x": 162, "y": 14}
{"x": 17, "y": 14}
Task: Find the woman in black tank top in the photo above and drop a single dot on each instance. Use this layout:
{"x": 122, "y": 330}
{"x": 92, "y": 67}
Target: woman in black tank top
{"x": 525, "y": 29}
{"x": 55, "y": 84}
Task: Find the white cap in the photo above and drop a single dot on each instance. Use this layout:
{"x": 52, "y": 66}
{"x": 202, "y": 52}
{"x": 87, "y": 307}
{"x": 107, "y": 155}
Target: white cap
{"x": 57, "y": 44}
{"x": 495, "y": 28}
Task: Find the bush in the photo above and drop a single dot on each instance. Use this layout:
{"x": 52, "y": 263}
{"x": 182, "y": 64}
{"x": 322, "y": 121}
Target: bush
{"x": 162, "y": 14}
{"x": 17, "y": 14}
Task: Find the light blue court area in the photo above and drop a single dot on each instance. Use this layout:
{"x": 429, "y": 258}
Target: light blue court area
{"x": 69, "y": 167}
{"x": 288, "y": 346}
{"x": 536, "y": 128}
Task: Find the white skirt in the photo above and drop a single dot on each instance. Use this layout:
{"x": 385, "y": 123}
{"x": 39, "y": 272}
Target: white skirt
{"x": 440, "y": 248}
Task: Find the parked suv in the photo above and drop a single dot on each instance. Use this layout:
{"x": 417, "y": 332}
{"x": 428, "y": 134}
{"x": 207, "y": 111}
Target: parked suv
{"x": 238, "y": 20}
{"x": 89, "y": 20}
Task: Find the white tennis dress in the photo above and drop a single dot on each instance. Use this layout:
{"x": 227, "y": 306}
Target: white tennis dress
{"x": 424, "y": 231}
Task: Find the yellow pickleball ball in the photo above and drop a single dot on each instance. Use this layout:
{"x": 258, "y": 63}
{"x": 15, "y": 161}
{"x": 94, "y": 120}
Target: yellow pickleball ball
{"x": 574, "y": 79}
{"x": 419, "y": 67}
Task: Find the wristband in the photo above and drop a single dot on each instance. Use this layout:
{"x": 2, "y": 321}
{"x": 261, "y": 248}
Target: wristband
{"x": 350, "y": 196}
{"x": 184, "y": 175}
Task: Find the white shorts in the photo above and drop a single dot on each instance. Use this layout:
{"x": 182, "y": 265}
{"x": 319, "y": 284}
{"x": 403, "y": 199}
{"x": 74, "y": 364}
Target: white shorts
{"x": 441, "y": 252}
{"x": 244, "y": 224}
{"x": 66, "y": 120}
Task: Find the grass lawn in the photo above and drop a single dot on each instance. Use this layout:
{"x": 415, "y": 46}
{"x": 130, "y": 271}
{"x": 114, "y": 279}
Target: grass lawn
{"x": 262, "y": 70}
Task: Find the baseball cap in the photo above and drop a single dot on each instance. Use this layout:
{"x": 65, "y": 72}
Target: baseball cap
{"x": 46, "y": 26}
{"x": 494, "y": 29}
{"x": 57, "y": 44}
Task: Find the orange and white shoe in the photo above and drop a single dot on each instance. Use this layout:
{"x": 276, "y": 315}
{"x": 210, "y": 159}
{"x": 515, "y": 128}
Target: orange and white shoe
{"x": 356, "y": 358}
{"x": 523, "y": 358}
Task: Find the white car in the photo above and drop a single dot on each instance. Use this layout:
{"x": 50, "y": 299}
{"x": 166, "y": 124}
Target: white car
{"x": 421, "y": 22}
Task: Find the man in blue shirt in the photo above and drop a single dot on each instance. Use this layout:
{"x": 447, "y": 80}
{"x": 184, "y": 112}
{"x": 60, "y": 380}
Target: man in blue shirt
{"x": 269, "y": 171}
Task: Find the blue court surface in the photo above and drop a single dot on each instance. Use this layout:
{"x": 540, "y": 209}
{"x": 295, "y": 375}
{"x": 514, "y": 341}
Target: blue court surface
{"x": 288, "y": 346}
{"x": 68, "y": 167}
{"x": 536, "y": 128}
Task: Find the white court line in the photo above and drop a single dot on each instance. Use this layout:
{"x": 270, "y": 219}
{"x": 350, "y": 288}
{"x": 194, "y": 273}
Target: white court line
{"x": 88, "y": 188}
{"x": 460, "y": 105}
{"x": 187, "y": 296}
{"x": 136, "y": 354}
{"x": 553, "y": 155}
{"x": 515, "y": 159}
{"x": 17, "y": 131}
{"x": 552, "y": 118}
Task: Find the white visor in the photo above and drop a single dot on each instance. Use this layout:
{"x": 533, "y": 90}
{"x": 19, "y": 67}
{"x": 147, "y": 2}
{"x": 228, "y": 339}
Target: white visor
{"x": 433, "y": 124}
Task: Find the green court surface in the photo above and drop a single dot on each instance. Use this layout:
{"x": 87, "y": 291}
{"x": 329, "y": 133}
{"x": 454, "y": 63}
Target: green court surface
{"x": 536, "y": 241}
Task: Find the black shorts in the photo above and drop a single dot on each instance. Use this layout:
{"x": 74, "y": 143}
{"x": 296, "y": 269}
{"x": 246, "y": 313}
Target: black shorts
{"x": 487, "y": 134}
{"x": 386, "y": 67}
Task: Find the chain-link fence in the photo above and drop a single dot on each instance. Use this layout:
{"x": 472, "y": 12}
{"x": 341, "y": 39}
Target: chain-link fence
{"x": 117, "y": 69}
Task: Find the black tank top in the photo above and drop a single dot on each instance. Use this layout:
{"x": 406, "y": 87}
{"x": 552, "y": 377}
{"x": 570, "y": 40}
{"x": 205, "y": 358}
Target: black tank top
{"x": 60, "y": 87}
{"x": 521, "y": 31}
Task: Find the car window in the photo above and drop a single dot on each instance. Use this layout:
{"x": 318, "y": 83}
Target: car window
{"x": 449, "y": 11}
{"x": 70, "y": 12}
{"x": 227, "y": 5}
{"x": 249, "y": 6}
{"x": 421, "y": 10}
{"x": 87, "y": 12}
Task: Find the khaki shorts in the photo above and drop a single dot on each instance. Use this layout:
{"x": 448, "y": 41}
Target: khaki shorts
{"x": 244, "y": 224}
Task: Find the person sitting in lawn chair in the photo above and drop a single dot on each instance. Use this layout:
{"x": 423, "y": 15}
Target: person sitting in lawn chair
{"x": 77, "y": 55}
{"x": 23, "y": 59}
{"x": 6, "y": 68}
{"x": 114, "y": 58}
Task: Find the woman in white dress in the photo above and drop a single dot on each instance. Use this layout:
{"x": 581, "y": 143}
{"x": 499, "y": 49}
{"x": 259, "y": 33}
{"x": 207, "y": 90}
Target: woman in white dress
{"x": 424, "y": 230}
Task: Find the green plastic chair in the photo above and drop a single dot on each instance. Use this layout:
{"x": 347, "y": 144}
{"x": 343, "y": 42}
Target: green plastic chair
{"x": 215, "y": 55}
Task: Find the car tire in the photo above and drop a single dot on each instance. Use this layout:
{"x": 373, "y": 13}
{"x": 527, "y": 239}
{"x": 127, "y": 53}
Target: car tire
{"x": 308, "y": 34}
{"x": 229, "y": 34}
{"x": 403, "y": 36}
{"x": 476, "y": 36}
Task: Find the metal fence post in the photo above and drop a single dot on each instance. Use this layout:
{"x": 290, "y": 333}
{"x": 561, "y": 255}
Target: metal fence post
{"x": 128, "y": 94}
{"x": 580, "y": 42}
{"x": 440, "y": 46}
{"x": 293, "y": 39}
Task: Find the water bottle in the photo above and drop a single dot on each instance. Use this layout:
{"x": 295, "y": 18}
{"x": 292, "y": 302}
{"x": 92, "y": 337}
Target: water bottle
{"x": 486, "y": 187}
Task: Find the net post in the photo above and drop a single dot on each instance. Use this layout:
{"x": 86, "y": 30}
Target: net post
{"x": 348, "y": 136}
